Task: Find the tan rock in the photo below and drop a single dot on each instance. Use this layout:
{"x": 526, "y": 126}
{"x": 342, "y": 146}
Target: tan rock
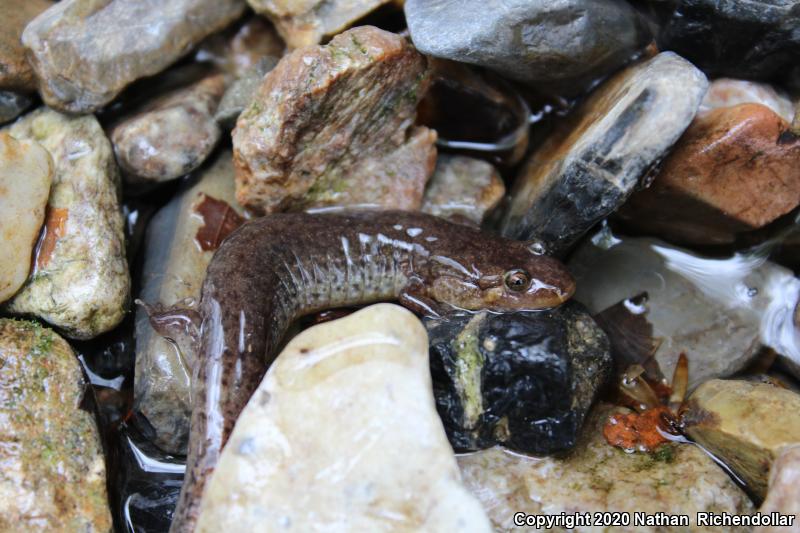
{"x": 343, "y": 435}
{"x": 745, "y": 424}
{"x": 783, "y": 495}
{"x": 85, "y": 52}
{"x": 172, "y": 135}
{"x": 598, "y": 477}
{"x": 463, "y": 187}
{"x": 732, "y": 171}
{"x": 333, "y": 125}
{"x": 26, "y": 171}
{"x": 306, "y": 22}
{"x": 54, "y": 475}
{"x": 80, "y": 281}
{"x": 15, "y": 72}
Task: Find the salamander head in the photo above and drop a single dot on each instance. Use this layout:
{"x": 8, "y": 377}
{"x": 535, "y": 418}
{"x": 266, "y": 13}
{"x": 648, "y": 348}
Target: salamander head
{"x": 516, "y": 279}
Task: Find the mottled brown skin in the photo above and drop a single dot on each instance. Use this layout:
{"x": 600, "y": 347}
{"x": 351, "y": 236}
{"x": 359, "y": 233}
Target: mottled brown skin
{"x": 279, "y": 267}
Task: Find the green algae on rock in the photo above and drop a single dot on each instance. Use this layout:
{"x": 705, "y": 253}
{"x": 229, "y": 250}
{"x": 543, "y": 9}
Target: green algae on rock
{"x": 333, "y": 126}
{"x": 54, "y": 476}
{"x": 597, "y": 477}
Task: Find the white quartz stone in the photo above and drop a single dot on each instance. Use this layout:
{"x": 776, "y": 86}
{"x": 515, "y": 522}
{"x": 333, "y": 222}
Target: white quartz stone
{"x": 343, "y": 435}
{"x": 26, "y": 171}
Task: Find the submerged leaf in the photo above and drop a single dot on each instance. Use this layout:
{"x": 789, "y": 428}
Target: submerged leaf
{"x": 631, "y": 335}
{"x": 219, "y": 221}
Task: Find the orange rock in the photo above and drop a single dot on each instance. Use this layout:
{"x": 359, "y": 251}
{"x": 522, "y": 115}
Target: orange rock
{"x": 735, "y": 169}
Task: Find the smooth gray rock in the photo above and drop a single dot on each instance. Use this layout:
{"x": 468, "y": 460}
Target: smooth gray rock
{"x": 12, "y": 105}
{"x": 590, "y": 166}
{"x": 84, "y": 52}
{"x": 560, "y": 44}
{"x": 241, "y": 92}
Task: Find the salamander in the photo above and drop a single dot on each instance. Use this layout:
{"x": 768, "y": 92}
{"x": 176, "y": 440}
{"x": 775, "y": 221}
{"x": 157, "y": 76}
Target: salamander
{"x": 278, "y": 268}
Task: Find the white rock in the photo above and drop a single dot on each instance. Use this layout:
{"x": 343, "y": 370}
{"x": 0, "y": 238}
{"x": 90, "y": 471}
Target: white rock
{"x": 343, "y": 435}
{"x": 784, "y": 490}
{"x": 26, "y": 171}
{"x": 728, "y": 92}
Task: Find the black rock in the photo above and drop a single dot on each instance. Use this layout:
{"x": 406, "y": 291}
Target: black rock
{"x": 524, "y": 380}
{"x": 146, "y": 483}
{"x": 745, "y": 39}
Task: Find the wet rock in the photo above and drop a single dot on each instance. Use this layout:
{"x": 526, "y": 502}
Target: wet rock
{"x": 731, "y": 172}
{"x": 563, "y": 46}
{"x": 522, "y": 380}
{"x": 13, "y": 105}
{"x": 358, "y": 387}
{"x": 240, "y": 48}
{"x": 727, "y": 92}
{"x": 332, "y": 126}
{"x": 783, "y": 495}
{"x": 26, "y": 171}
{"x": 146, "y": 481}
{"x": 172, "y": 135}
{"x": 754, "y": 39}
{"x": 15, "y": 72}
{"x": 240, "y": 93}
{"x": 745, "y": 424}
{"x": 476, "y": 113}
{"x": 306, "y": 22}
{"x": 54, "y": 476}
{"x": 80, "y": 280}
{"x": 719, "y": 312}
{"x": 85, "y": 52}
{"x": 463, "y": 188}
{"x": 595, "y": 477}
{"x": 587, "y": 169}
{"x": 174, "y": 269}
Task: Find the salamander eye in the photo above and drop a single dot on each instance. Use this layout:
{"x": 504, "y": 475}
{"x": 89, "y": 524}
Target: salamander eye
{"x": 517, "y": 280}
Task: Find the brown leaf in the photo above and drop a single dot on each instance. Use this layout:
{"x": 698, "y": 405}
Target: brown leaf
{"x": 631, "y": 336}
{"x": 219, "y": 221}
{"x": 55, "y": 222}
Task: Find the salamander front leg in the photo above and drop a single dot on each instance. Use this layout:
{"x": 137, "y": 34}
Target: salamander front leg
{"x": 414, "y": 298}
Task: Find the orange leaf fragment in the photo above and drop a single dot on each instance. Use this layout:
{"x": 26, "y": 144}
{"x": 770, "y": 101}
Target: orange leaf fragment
{"x": 55, "y": 222}
{"x": 637, "y": 431}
